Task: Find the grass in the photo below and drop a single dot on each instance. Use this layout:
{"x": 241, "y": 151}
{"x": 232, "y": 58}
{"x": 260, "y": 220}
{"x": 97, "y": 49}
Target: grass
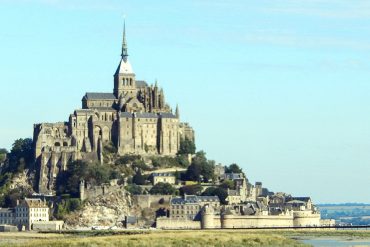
{"x": 152, "y": 238}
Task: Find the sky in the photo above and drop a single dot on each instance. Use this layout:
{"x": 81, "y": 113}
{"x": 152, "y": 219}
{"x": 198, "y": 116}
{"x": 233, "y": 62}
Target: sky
{"x": 280, "y": 87}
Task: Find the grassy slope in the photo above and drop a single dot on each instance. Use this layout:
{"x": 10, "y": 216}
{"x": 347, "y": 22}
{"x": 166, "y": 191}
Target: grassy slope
{"x": 157, "y": 238}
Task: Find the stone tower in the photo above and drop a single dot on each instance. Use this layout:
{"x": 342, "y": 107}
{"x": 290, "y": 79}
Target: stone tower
{"x": 124, "y": 78}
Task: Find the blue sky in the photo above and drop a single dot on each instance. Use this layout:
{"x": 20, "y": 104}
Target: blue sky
{"x": 280, "y": 87}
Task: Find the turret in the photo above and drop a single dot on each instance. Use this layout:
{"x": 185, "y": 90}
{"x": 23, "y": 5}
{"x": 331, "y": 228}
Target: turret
{"x": 177, "y": 112}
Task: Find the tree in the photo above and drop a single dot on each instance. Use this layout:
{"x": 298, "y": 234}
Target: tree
{"x": 187, "y": 146}
{"x": 93, "y": 173}
{"x": 15, "y": 194}
{"x": 134, "y": 189}
{"x": 233, "y": 168}
{"x": 3, "y": 153}
{"x": 228, "y": 184}
{"x": 195, "y": 189}
{"x": 200, "y": 168}
{"x": 216, "y": 191}
{"x": 162, "y": 189}
{"x": 138, "y": 178}
{"x": 182, "y": 160}
{"x": 193, "y": 172}
{"x": 21, "y": 155}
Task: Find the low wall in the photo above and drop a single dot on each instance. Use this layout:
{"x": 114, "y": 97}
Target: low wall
{"x": 48, "y": 225}
{"x": 8, "y": 228}
{"x": 167, "y": 223}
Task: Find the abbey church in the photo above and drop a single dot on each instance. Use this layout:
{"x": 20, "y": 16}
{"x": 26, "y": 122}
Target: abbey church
{"x": 135, "y": 118}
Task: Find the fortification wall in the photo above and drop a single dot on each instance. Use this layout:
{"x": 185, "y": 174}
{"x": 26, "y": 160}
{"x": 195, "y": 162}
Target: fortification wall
{"x": 167, "y": 223}
{"x": 247, "y": 221}
{"x": 146, "y": 201}
{"x": 95, "y": 191}
{"x": 306, "y": 218}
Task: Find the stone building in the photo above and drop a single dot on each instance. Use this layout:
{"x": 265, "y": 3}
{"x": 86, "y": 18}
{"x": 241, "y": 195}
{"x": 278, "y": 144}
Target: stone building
{"x": 25, "y": 214}
{"x": 190, "y": 206}
{"x": 134, "y": 117}
{"x": 163, "y": 178}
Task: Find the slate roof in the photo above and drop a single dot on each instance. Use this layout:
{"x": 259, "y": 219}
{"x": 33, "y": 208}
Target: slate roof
{"x": 32, "y": 203}
{"x": 194, "y": 199}
{"x": 126, "y": 114}
{"x": 98, "y": 96}
{"x": 233, "y": 176}
{"x": 303, "y": 199}
{"x": 6, "y": 210}
{"x": 166, "y": 115}
{"x": 141, "y": 84}
{"x": 146, "y": 115}
{"x": 163, "y": 175}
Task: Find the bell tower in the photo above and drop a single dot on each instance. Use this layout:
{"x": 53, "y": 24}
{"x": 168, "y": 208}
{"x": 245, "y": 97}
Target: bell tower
{"x": 124, "y": 78}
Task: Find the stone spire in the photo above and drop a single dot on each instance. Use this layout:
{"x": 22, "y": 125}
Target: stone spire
{"x": 124, "y": 53}
{"x": 177, "y": 111}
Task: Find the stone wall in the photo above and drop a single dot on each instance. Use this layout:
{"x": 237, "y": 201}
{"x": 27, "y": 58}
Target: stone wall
{"x": 167, "y": 223}
{"x": 90, "y": 192}
{"x": 48, "y": 226}
{"x": 247, "y": 221}
{"x": 306, "y": 218}
{"x": 146, "y": 201}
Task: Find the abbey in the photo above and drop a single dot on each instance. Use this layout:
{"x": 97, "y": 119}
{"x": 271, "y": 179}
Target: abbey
{"x": 135, "y": 118}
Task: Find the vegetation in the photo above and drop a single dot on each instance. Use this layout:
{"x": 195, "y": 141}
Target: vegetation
{"x": 228, "y": 184}
{"x": 168, "y": 161}
{"x": 134, "y": 189}
{"x": 216, "y": 191}
{"x": 211, "y": 238}
{"x": 195, "y": 189}
{"x": 20, "y": 156}
{"x": 233, "y": 168}
{"x": 11, "y": 197}
{"x": 67, "y": 206}
{"x": 19, "y": 159}
{"x": 200, "y": 169}
{"x": 348, "y": 213}
{"x": 187, "y": 146}
{"x": 93, "y": 173}
{"x": 162, "y": 189}
{"x": 3, "y": 153}
{"x": 138, "y": 178}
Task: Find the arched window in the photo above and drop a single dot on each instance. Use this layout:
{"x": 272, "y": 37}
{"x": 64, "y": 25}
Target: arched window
{"x": 57, "y": 144}
{"x": 65, "y": 144}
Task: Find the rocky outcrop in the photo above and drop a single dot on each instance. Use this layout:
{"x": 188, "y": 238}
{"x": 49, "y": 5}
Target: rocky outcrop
{"x": 22, "y": 180}
{"x": 105, "y": 210}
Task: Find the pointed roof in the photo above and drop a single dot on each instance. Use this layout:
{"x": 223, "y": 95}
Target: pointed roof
{"x": 124, "y": 53}
{"x": 177, "y": 112}
{"x": 124, "y": 66}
